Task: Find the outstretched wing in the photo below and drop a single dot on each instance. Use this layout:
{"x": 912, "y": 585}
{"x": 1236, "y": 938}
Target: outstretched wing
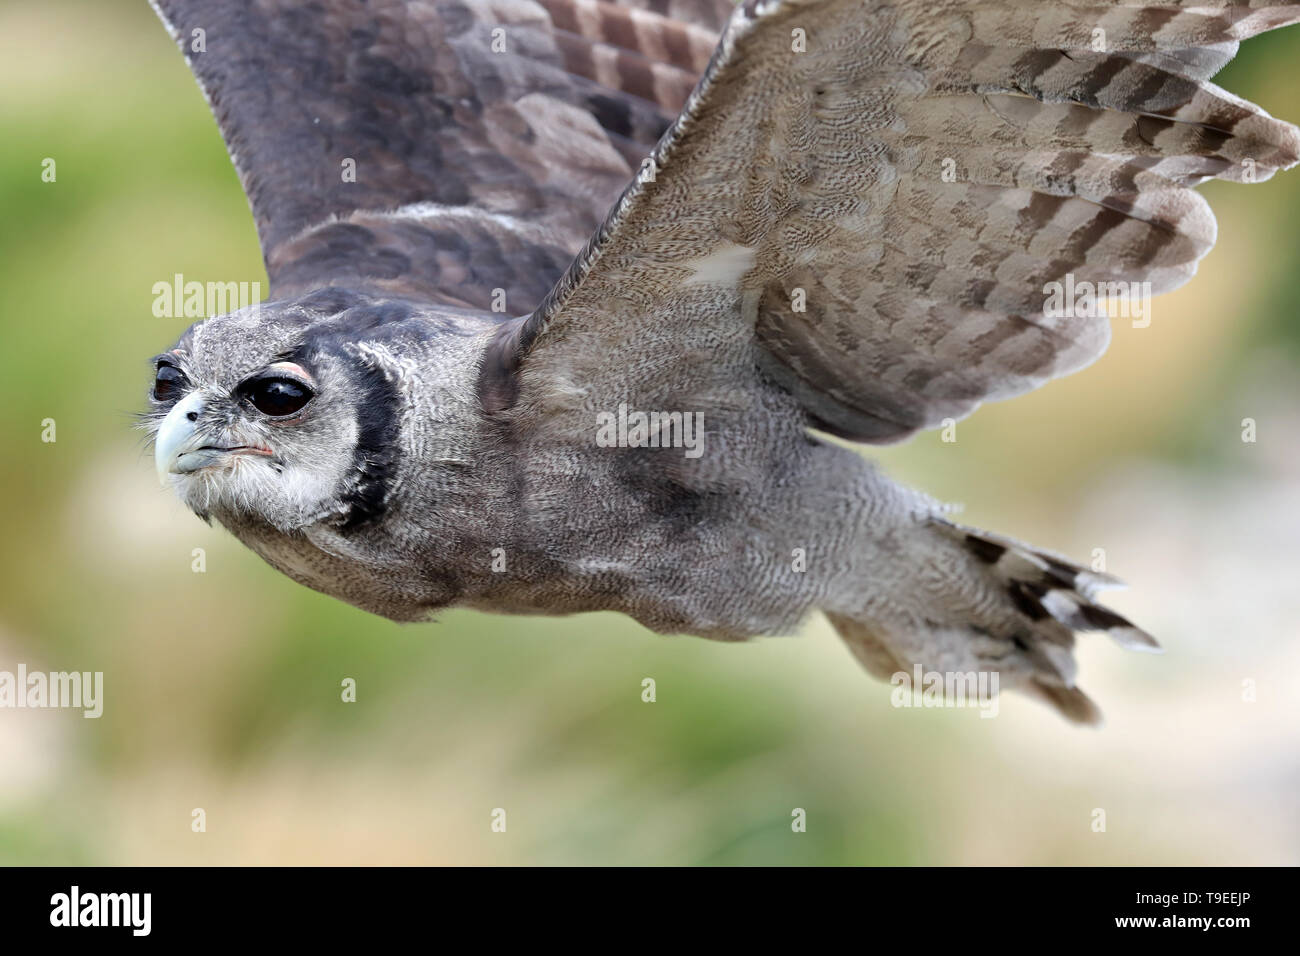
{"x": 442, "y": 149}
{"x": 871, "y": 200}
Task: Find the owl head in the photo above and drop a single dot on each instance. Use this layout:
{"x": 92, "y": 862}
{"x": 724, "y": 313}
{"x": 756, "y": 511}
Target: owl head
{"x": 277, "y": 414}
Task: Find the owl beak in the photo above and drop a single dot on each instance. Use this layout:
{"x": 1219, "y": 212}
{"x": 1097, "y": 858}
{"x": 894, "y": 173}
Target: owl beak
{"x": 182, "y": 447}
{"x": 177, "y": 436}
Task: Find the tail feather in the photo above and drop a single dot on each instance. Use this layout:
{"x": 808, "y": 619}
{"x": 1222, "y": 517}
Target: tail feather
{"x": 1021, "y": 623}
{"x": 1072, "y": 703}
{"x": 1044, "y": 584}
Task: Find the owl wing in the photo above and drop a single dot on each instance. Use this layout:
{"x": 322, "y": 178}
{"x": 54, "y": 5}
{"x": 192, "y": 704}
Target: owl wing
{"x": 438, "y": 149}
{"x": 875, "y": 203}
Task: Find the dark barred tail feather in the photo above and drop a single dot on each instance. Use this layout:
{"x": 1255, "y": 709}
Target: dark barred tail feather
{"x": 1029, "y": 603}
{"x": 1045, "y": 586}
{"x": 1042, "y": 585}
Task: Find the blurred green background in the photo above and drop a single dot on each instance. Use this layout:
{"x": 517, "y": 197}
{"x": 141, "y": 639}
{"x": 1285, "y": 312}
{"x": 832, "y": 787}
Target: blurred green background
{"x": 223, "y": 688}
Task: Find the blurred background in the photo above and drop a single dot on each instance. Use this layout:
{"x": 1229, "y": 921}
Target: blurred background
{"x": 222, "y": 688}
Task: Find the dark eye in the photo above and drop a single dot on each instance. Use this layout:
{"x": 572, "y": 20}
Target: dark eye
{"x": 168, "y": 383}
{"x": 278, "y": 396}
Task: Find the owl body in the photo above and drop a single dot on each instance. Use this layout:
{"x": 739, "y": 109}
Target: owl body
{"x": 468, "y": 508}
{"x": 475, "y": 509}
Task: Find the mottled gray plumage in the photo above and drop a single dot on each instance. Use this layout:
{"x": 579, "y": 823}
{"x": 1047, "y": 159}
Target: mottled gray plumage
{"x": 849, "y": 227}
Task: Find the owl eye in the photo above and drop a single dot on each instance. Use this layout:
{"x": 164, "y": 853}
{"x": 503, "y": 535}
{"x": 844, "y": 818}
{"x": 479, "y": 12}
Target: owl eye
{"x": 278, "y": 396}
{"x": 168, "y": 383}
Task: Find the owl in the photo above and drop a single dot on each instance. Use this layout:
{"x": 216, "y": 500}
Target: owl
{"x": 568, "y": 298}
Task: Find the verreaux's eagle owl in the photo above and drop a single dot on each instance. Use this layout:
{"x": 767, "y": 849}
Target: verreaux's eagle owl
{"x": 552, "y": 325}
